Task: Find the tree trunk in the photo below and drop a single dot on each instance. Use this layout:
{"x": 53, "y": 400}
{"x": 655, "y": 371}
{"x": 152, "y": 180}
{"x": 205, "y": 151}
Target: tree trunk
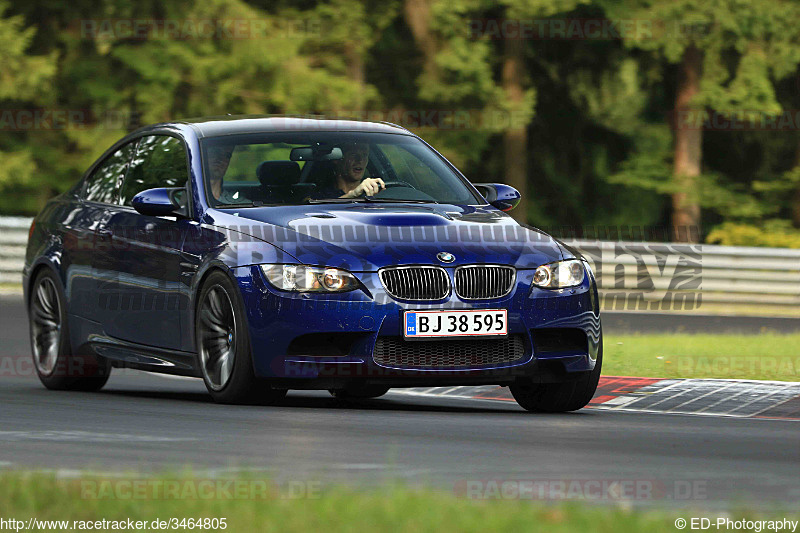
{"x": 417, "y": 14}
{"x": 354, "y": 57}
{"x": 688, "y": 151}
{"x": 515, "y": 139}
{"x": 134, "y": 115}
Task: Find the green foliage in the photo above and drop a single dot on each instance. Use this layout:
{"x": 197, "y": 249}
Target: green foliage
{"x": 18, "y": 168}
{"x": 650, "y": 169}
{"x": 749, "y": 89}
{"x": 597, "y": 110}
{"x": 773, "y": 233}
{"x": 24, "y": 82}
{"x": 651, "y": 166}
{"x": 744, "y": 45}
{"x": 612, "y": 97}
{"x": 23, "y": 77}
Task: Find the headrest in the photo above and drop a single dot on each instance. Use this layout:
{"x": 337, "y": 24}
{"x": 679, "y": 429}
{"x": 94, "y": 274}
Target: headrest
{"x": 278, "y": 173}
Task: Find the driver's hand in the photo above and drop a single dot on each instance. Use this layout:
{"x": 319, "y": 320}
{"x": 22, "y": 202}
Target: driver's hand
{"x": 370, "y": 187}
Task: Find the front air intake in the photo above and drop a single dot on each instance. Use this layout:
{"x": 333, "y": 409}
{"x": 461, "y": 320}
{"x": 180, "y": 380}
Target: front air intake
{"x": 416, "y": 282}
{"x": 462, "y": 353}
{"x": 483, "y": 282}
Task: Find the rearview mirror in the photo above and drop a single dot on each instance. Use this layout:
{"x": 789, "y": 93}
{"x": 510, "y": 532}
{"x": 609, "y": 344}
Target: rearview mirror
{"x": 161, "y": 202}
{"x": 503, "y": 197}
{"x": 318, "y": 152}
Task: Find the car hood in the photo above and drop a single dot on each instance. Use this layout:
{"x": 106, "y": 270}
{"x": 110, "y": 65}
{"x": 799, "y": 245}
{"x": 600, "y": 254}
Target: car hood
{"x": 365, "y": 237}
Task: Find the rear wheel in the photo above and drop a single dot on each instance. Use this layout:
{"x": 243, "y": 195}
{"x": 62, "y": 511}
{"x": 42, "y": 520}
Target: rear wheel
{"x": 223, "y": 345}
{"x": 362, "y": 392}
{"x": 559, "y": 397}
{"x": 56, "y": 366}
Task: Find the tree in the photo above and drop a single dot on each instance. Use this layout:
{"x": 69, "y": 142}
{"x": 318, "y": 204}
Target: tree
{"x": 458, "y": 69}
{"x": 454, "y": 79}
{"x": 723, "y": 50}
{"x": 515, "y": 138}
{"x": 579, "y": 126}
{"x": 688, "y": 148}
{"x": 117, "y": 80}
{"x": 24, "y": 83}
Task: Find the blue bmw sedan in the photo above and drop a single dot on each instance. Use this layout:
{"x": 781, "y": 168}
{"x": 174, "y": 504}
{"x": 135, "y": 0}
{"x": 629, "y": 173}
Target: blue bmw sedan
{"x": 264, "y": 254}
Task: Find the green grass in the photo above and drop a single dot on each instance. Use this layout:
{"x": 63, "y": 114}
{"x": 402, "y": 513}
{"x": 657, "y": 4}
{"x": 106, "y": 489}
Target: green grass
{"x": 768, "y": 356}
{"x": 790, "y": 311}
{"x": 333, "y": 509}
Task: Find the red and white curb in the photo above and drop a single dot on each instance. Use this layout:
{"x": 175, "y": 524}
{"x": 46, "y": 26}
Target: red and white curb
{"x": 707, "y": 397}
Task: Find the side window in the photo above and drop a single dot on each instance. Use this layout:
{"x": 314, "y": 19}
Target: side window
{"x": 103, "y": 183}
{"x": 160, "y": 161}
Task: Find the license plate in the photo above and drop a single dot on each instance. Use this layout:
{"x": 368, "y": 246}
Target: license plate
{"x": 478, "y": 323}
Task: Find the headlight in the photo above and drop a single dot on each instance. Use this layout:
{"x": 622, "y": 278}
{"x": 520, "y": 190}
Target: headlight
{"x": 559, "y": 275}
{"x": 301, "y": 278}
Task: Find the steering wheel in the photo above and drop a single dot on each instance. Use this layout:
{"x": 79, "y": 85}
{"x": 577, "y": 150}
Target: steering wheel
{"x": 396, "y": 183}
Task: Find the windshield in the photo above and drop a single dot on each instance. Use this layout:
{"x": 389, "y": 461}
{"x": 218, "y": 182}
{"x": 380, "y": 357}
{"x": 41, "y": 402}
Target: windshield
{"x": 292, "y": 168}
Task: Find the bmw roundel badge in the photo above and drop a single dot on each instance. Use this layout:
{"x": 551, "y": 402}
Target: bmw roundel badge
{"x": 445, "y": 257}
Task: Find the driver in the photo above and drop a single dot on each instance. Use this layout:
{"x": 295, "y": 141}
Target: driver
{"x": 219, "y": 157}
{"x": 348, "y": 180}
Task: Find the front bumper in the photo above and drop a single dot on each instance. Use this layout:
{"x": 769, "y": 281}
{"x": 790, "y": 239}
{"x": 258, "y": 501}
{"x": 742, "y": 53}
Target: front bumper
{"x": 287, "y": 330}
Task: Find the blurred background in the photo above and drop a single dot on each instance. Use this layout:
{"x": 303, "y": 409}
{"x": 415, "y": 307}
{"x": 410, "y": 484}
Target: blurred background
{"x": 604, "y": 114}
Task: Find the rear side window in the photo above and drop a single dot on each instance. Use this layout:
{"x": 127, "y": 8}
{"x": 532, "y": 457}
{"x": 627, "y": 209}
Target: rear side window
{"x": 160, "y": 161}
{"x": 103, "y": 184}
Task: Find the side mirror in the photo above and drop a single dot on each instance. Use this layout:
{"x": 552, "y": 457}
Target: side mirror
{"x": 503, "y": 197}
{"x": 161, "y": 202}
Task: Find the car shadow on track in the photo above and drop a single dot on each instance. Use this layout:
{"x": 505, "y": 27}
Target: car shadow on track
{"x": 191, "y": 392}
{"x": 320, "y": 400}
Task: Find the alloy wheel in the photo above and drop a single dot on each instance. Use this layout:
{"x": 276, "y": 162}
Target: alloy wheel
{"x": 45, "y": 326}
{"x": 217, "y": 336}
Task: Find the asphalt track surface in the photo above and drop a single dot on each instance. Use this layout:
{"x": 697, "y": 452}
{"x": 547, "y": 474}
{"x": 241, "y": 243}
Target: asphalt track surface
{"x": 146, "y": 423}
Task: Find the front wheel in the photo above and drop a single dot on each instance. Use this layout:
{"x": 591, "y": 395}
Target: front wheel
{"x": 57, "y": 367}
{"x": 223, "y": 346}
{"x": 559, "y": 397}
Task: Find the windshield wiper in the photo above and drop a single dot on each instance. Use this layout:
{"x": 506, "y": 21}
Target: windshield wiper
{"x": 256, "y": 203}
{"x": 334, "y": 200}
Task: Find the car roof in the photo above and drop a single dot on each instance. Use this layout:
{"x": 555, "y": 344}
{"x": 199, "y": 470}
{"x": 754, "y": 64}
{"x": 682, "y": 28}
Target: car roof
{"x": 239, "y": 124}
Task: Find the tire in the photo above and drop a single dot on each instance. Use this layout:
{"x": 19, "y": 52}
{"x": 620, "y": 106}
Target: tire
{"x": 360, "y": 393}
{"x": 57, "y": 367}
{"x": 224, "y": 354}
{"x": 559, "y": 397}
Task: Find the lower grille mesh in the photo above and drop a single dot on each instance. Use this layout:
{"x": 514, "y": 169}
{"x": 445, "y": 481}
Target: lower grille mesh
{"x": 396, "y": 352}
